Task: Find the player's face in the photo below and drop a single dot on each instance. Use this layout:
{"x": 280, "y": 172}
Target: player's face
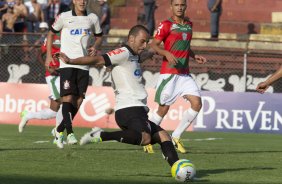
{"x": 178, "y": 8}
{"x": 139, "y": 42}
{"x": 80, "y": 5}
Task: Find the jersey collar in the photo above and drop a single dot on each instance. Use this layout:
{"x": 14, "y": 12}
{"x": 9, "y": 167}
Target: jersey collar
{"x": 74, "y": 14}
{"x": 186, "y": 20}
{"x": 130, "y": 50}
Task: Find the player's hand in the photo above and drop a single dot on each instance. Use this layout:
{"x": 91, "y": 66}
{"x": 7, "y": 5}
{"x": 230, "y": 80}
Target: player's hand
{"x": 63, "y": 57}
{"x": 171, "y": 58}
{"x": 200, "y": 59}
{"x": 92, "y": 51}
{"x": 262, "y": 87}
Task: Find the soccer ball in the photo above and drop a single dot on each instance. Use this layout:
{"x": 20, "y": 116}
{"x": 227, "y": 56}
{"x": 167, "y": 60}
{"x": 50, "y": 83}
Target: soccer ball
{"x": 183, "y": 170}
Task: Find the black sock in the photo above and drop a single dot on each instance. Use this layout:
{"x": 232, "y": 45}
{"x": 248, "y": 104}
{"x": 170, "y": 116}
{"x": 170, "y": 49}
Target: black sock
{"x": 124, "y": 136}
{"x": 61, "y": 127}
{"x": 67, "y": 110}
{"x": 169, "y": 152}
{"x": 74, "y": 111}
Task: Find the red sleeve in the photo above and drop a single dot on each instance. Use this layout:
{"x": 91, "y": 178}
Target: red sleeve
{"x": 43, "y": 48}
{"x": 163, "y": 30}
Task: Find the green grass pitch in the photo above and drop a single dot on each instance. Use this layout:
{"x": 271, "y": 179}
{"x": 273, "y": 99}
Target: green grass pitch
{"x": 234, "y": 158}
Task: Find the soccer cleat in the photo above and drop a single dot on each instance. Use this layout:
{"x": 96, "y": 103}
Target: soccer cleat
{"x": 24, "y": 120}
{"x": 148, "y": 149}
{"x": 178, "y": 145}
{"x": 55, "y": 141}
{"x": 71, "y": 139}
{"x": 92, "y": 136}
{"x": 60, "y": 139}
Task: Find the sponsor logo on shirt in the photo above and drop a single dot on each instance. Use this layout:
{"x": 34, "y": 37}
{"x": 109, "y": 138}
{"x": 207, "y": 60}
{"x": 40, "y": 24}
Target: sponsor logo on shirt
{"x": 137, "y": 72}
{"x": 80, "y": 32}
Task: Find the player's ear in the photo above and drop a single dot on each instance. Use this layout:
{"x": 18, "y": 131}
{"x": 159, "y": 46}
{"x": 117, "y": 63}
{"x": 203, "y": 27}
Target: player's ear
{"x": 131, "y": 39}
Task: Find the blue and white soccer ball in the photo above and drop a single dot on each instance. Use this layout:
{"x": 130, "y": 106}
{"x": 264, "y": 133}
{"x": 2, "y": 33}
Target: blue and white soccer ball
{"x": 183, "y": 170}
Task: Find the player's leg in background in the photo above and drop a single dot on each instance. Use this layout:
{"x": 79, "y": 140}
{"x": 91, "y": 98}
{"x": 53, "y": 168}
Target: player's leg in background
{"x": 67, "y": 112}
{"x": 81, "y": 81}
{"x": 188, "y": 115}
{"x": 190, "y": 92}
{"x": 28, "y": 115}
{"x": 48, "y": 113}
{"x": 68, "y": 91}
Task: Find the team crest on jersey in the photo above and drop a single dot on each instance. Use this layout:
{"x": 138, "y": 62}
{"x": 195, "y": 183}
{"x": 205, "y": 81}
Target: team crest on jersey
{"x": 184, "y": 36}
{"x": 67, "y": 84}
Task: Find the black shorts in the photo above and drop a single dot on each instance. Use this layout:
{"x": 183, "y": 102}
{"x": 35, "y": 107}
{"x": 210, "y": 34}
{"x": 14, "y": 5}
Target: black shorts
{"x": 73, "y": 81}
{"x": 136, "y": 118}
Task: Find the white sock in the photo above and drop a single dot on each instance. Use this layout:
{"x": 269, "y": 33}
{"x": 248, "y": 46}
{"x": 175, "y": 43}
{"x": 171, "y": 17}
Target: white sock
{"x": 156, "y": 118}
{"x": 188, "y": 116}
{"x": 43, "y": 114}
{"x": 59, "y": 117}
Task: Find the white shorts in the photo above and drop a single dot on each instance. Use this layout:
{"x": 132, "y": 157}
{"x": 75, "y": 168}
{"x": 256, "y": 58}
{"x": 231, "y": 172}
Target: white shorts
{"x": 54, "y": 86}
{"x": 171, "y": 86}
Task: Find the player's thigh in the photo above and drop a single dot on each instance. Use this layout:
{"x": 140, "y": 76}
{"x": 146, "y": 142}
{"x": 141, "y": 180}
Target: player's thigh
{"x": 166, "y": 93}
{"x": 188, "y": 86}
{"x": 133, "y": 118}
{"x": 68, "y": 85}
{"x": 82, "y": 81}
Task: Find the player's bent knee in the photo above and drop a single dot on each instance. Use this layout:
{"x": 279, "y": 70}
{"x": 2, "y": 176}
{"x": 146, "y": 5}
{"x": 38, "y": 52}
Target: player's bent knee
{"x": 146, "y": 139}
{"x": 196, "y": 106}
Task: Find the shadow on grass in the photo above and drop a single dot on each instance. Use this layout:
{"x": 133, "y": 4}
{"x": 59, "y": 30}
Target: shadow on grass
{"x": 204, "y": 173}
{"x": 36, "y": 180}
{"x": 24, "y": 149}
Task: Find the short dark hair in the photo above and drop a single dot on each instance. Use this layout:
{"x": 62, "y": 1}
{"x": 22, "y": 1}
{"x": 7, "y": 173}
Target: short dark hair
{"x": 135, "y": 30}
{"x": 172, "y": 1}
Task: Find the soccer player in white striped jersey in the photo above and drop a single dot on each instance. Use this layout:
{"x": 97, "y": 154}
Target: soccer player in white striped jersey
{"x": 131, "y": 97}
{"x": 75, "y": 27}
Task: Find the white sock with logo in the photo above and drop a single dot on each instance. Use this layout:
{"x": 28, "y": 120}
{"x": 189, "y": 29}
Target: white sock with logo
{"x": 43, "y": 114}
{"x": 187, "y": 118}
{"x": 156, "y": 118}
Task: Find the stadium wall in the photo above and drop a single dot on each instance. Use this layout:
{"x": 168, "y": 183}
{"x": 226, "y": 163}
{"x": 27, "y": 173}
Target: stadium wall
{"x": 222, "y": 111}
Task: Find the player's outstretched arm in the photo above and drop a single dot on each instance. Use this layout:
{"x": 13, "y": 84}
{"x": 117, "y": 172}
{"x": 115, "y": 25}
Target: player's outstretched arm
{"x": 263, "y": 86}
{"x": 86, "y": 60}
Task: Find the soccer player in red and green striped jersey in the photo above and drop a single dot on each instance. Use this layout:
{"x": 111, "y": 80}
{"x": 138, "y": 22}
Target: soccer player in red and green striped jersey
{"x": 175, "y": 79}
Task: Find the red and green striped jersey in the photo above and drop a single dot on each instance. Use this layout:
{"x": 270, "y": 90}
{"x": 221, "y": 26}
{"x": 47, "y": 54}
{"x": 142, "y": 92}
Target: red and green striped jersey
{"x": 177, "y": 38}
